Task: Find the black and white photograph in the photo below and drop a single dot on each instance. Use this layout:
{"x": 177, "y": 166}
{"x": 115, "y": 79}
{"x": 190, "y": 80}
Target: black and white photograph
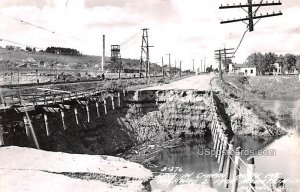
{"x": 149, "y": 96}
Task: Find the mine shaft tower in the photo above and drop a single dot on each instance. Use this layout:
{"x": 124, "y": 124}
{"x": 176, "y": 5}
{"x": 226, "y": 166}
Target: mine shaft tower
{"x": 116, "y": 58}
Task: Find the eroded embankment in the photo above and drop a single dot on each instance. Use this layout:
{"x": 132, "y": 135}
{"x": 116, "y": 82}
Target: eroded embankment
{"x": 148, "y": 116}
{"x": 244, "y": 117}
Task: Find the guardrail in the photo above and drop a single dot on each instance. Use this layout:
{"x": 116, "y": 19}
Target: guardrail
{"x": 227, "y": 155}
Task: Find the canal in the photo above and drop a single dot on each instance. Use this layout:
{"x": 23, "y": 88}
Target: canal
{"x": 191, "y": 166}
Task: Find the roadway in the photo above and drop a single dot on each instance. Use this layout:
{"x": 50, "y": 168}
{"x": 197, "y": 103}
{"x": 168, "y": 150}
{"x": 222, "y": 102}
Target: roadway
{"x": 198, "y": 82}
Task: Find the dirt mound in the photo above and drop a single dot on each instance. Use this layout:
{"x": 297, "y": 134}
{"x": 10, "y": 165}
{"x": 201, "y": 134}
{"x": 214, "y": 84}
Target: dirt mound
{"x": 246, "y": 118}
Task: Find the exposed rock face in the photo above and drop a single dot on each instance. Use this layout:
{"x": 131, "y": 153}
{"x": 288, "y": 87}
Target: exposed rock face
{"x": 245, "y": 121}
{"x": 147, "y": 116}
{"x": 245, "y": 118}
{"x": 184, "y": 112}
{"x": 185, "y": 117}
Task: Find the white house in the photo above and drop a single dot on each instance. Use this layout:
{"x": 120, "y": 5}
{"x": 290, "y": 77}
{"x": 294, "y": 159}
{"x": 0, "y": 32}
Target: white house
{"x": 240, "y": 69}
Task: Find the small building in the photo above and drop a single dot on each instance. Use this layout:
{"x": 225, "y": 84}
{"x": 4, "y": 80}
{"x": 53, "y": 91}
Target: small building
{"x": 242, "y": 69}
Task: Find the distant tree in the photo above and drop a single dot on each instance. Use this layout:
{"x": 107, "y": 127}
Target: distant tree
{"x": 209, "y": 69}
{"x": 298, "y": 64}
{"x": 289, "y": 62}
{"x": 269, "y": 59}
{"x": 257, "y": 59}
{"x": 28, "y": 49}
{"x": 226, "y": 64}
{"x": 63, "y": 51}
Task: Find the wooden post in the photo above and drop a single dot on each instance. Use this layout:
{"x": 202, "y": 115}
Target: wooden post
{"x": 225, "y": 141}
{"x": 87, "y": 112}
{"x": 105, "y": 107}
{"x": 250, "y": 174}
{"x": 26, "y": 123}
{"x": 1, "y": 133}
{"x": 29, "y": 127}
{"x": 63, "y": 119}
{"x": 46, "y": 124}
{"x": 76, "y": 115}
{"x": 220, "y": 150}
{"x": 112, "y": 102}
{"x": 119, "y": 99}
{"x": 97, "y": 108}
{"x": 228, "y": 164}
{"x": 53, "y": 99}
{"x": 236, "y": 172}
{"x": 124, "y": 93}
{"x": 216, "y": 139}
{"x": 219, "y": 141}
{"x": 279, "y": 185}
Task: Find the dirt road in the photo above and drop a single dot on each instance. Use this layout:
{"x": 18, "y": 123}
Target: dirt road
{"x": 198, "y": 82}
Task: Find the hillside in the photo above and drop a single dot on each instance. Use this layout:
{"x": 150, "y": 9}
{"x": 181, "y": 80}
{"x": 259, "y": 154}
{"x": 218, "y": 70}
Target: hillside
{"x": 18, "y": 56}
{"x": 88, "y": 60}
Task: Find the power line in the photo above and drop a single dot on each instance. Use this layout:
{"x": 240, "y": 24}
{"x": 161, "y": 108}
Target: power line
{"x": 17, "y": 43}
{"x": 251, "y": 15}
{"x": 31, "y": 24}
{"x": 237, "y": 48}
{"x": 130, "y": 38}
{"x": 44, "y": 28}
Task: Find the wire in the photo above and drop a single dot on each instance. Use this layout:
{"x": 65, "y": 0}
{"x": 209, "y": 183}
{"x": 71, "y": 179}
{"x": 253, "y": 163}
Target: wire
{"x": 28, "y": 23}
{"x": 17, "y": 43}
{"x": 129, "y": 39}
{"x": 258, "y": 7}
{"x": 247, "y": 30}
{"x": 237, "y": 48}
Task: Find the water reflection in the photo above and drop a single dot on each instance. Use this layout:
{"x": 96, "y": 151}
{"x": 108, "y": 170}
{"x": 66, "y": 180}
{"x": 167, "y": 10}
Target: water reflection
{"x": 195, "y": 161}
{"x": 203, "y": 169}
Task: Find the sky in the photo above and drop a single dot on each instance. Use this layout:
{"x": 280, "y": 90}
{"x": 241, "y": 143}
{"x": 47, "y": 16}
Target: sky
{"x": 188, "y": 29}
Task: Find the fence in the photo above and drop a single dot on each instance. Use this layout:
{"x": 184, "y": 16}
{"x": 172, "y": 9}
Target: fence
{"x": 227, "y": 155}
{"x": 61, "y": 104}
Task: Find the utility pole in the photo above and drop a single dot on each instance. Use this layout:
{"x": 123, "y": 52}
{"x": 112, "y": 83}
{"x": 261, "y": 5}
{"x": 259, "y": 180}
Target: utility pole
{"x": 11, "y": 75}
{"x": 201, "y": 67}
{"x": 103, "y": 53}
{"x": 193, "y": 65}
{"x": 145, "y": 60}
{"x": 223, "y": 54}
{"x": 180, "y": 69}
{"x": 18, "y": 76}
{"x": 169, "y": 65}
{"x": 204, "y": 64}
{"x": 175, "y": 67}
{"x": 251, "y": 14}
{"x": 163, "y": 68}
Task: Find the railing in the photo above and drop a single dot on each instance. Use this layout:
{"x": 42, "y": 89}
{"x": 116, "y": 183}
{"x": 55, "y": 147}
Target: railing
{"x": 223, "y": 147}
{"x": 52, "y": 105}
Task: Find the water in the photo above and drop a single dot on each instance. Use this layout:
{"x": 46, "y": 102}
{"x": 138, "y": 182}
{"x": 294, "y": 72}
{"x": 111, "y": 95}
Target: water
{"x": 185, "y": 164}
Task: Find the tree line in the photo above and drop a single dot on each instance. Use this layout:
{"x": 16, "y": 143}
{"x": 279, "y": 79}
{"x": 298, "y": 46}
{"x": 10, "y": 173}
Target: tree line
{"x": 63, "y": 51}
{"x": 264, "y": 62}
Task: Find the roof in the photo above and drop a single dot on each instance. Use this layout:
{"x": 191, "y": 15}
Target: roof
{"x": 243, "y": 66}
